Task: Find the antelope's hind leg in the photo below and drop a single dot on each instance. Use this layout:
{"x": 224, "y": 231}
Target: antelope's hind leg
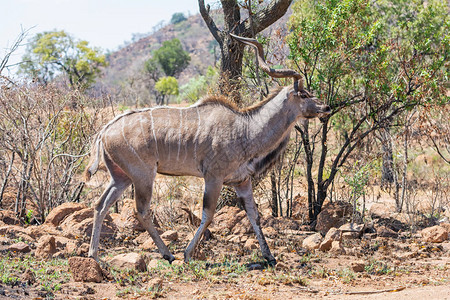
{"x": 143, "y": 189}
{"x": 244, "y": 191}
{"x": 119, "y": 182}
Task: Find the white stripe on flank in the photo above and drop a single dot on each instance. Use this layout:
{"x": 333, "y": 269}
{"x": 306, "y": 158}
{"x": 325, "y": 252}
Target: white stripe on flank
{"x": 197, "y": 133}
{"x": 154, "y": 134}
{"x": 179, "y": 134}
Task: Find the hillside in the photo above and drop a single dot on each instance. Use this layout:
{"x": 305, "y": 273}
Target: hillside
{"x": 124, "y": 73}
{"x": 125, "y": 65}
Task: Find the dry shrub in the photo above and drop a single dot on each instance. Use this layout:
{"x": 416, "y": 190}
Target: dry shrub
{"x": 46, "y": 134}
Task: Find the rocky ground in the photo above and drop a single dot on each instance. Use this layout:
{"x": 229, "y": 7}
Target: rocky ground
{"x": 339, "y": 261}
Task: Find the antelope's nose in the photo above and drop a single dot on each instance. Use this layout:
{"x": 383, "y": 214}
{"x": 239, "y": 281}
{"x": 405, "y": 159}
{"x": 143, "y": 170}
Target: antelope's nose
{"x": 327, "y": 109}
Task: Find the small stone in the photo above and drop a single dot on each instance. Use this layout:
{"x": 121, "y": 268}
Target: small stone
{"x": 170, "y": 235}
{"x": 85, "y": 269}
{"x": 383, "y": 231}
{"x": 251, "y": 244}
{"x": 148, "y": 245}
{"x": 20, "y": 247}
{"x": 155, "y": 284}
{"x": 46, "y": 247}
{"x": 28, "y": 277}
{"x": 358, "y": 266}
{"x": 129, "y": 261}
{"x": 153, "y": 264}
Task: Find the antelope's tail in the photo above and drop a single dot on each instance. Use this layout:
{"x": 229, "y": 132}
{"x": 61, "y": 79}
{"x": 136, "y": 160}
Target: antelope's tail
{"x": 92, "y": 167}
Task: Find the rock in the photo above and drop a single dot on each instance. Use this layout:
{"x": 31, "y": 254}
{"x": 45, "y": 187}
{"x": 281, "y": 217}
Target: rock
{"x": 352, "y": 230}
{"x": 358, "y": 266}
{"x": 37, "y": 231}
{"x": 435, "y": 234}
{"x": 312, "y": 242}
{"x": 269, "y": 231}
{"x": 251, "y": 244}
{"x": 170, "y": 235}
{"x": 446, "y": 226}
{"x": 337, "y": 247}
{"x": 153, "y": 264}
{"x": 28, "y": 277}
{"x": 46, "y": 247}
{"x": 132, "y": 261}
{"x": 80, "y": 224}
{"x": 156, "y": 284}
{"x": 383, "y": 231}
{"x": 142, "y": 238}
{"x": 227, "y": 218}
{"x": 333, "y": 215}
{"x": 332, "y": 235}
{"x": 20, "y": 247}
{"x": 280, "y": 223}
{"x": 148, "y": 245}
{"x": 85, "y": 269}
{"x": 60, "y": 212}
{"x": 9, "y": 217}
{"x": 243, "y": 227}
{"x": 15, "y": 232}
{"x": 127, "y": 221}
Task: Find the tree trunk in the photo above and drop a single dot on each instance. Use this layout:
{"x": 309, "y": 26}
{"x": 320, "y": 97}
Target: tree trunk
{"x": 232, "y": 51}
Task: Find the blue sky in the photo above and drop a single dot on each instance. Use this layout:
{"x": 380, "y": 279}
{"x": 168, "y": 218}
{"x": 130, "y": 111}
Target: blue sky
{"x": 103, "y": 23}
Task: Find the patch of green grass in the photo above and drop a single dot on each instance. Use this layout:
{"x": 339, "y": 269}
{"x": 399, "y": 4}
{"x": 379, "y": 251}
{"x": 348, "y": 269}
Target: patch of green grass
{"x": 50, "y": 274}
{"x": 376, "y": 267}
{"x": 347, "y": 275}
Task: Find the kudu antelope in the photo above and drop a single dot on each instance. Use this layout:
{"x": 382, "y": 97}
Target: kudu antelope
{"x": 210, "y": 139}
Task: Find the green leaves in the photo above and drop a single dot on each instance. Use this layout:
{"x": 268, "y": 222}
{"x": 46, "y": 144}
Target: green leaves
{"x": 171, "y": 57}
{"x": 54, "y": 53}
{"x": 167, "y": 86}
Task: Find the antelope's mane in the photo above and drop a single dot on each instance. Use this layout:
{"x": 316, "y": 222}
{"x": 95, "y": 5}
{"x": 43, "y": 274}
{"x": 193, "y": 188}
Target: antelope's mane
{"x": 219, "y": 100}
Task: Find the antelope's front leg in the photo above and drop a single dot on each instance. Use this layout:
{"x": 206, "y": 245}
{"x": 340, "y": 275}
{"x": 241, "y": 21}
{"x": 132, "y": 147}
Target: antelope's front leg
{"x": 244, "y": 191}
{"x": 211, "y": 194}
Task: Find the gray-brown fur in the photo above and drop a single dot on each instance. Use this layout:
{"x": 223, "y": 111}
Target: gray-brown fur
{"x": 211, "y": 139}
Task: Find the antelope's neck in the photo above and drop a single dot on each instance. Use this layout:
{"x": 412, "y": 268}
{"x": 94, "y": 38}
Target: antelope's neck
{"x": 270, "y": 125}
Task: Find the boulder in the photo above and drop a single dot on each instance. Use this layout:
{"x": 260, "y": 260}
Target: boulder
{"x": 80, "y": 224}
{"x": 333, "y": 215}
{"x": 332, "y": 235}
{"x": 9, "y": 217}
{"x": 37, "y": 231}
{"x": 60, "y": 212}
{"x": 435, "y": 234}
{"x": 85, "y": 269}
{"x": 351, "y": 230}
{"x": 227, "y": 218}
{"x": 15, "y": 232}
{"x": 312, "y": 242}
{"x": 20, "y": 247}
{"x": 129, "y": 261}
{"x": 46, "y": 247}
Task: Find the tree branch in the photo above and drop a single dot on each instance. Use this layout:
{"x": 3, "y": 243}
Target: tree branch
{"x": 265, "y": 17}
{"x": 210, "y": 22}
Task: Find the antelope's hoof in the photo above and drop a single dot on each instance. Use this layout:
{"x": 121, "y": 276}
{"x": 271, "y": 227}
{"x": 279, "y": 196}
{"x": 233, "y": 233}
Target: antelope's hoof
{"x": 170, "y": 258}
{"x": 271, "y": 261}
